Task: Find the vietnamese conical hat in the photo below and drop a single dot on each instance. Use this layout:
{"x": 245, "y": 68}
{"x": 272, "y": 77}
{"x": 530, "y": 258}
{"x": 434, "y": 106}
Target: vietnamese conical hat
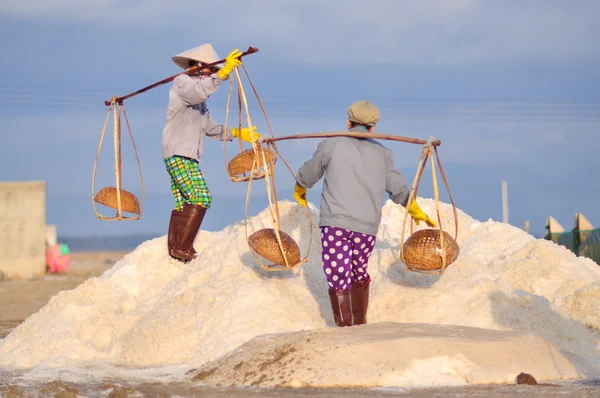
{"x": 204, "y": 53}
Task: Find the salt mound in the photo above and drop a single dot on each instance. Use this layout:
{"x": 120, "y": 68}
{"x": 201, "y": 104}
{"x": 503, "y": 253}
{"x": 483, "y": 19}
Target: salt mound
{"x": 151, "y": 311}
{"x": 386, "y": 354}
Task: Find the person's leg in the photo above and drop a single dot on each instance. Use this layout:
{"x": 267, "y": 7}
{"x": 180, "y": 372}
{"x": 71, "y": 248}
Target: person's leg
{"x": 200, "y": 196}
{"x": 362, "y": 248}
{"x": 176, "y": 217}
{"x": 196, "y": 194}
{"x": 336, "y": 258}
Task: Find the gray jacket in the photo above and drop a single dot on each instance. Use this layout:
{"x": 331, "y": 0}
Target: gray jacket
{"x": 188, "y": 118}
{"x": 358, "y": 172}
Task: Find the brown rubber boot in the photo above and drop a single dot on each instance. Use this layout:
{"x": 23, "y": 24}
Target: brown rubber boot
{"x": 340, "y": 305}
{"x": 176, "y": 217}
{"x": 359, "y": 294}
{"x": 187, "y": 209}
{"x": 187, "y": 231}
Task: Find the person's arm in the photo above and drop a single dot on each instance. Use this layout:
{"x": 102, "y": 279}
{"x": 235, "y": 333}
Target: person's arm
{"x": 395, "y": 182}
{"x": 217, "y": 131}
{"x": 312, "y": 170}
{"x": 398, "y": 190}
{"x": 195, "y": 91}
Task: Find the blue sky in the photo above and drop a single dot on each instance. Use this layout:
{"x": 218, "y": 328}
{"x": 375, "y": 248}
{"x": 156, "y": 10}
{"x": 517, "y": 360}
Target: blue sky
{"x": 511, "y": 88}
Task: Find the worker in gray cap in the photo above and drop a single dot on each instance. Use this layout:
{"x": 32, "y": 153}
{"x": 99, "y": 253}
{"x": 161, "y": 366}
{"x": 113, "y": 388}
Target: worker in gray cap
{"x": 358, "y": 172}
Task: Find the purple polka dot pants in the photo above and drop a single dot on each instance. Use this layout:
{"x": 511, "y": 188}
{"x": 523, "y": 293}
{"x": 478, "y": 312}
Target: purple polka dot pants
{"x": 345, "y": 256}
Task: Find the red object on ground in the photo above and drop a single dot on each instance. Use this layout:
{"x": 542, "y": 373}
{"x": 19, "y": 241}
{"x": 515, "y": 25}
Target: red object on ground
{"x": 58, "y": 260}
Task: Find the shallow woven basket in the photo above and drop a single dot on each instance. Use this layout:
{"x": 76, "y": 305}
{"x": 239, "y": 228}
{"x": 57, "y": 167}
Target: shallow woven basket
{"x": 264, "y": 242}
{"x": 422, "y": 251}
{"x": 108, "y": 197}
{"x": 244, "y": 161}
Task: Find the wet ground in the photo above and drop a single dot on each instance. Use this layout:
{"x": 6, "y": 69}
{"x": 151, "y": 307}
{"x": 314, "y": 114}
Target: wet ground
{"x": 123, "y": 389}
{"x": 7, "y": 325}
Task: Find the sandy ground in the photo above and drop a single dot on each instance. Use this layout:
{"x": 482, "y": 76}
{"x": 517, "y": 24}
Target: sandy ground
{"x": 19, "y": 299}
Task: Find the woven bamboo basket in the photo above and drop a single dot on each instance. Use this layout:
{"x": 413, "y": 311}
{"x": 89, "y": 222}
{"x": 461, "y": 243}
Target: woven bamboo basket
{"x": 108, "y": 197}
{"x": 264, "y": 242}
{"x": 243, "y": 163}
{"x": 422, "y": 251}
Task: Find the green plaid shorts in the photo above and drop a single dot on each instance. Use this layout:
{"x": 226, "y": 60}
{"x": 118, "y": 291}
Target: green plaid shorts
{"x": 187, "y": 182}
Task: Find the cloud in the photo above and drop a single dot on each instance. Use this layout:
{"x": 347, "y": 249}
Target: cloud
{"x": 326, "y": 33}
{"x": 87, "y": 10}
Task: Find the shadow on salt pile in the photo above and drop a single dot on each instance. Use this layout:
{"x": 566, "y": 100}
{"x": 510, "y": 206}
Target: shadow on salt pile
{"x": 319, "y": 292}
{"x": 532, "y": 314}
{"x": 248, "y": 259}
{"x": 316, "y": 286}
{"x": 399, "y": 274}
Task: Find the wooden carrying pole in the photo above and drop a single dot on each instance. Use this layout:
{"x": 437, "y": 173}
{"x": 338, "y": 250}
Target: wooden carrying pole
{"x": 357, "y": 135}
{"x": 192, "y": 70}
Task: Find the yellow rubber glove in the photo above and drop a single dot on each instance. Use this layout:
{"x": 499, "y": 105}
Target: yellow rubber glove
{"x": 231, "y": 62}
{"x": 419, "y": 215}
{"x": 300, "y": 195}
{"x": 246, "y": 134}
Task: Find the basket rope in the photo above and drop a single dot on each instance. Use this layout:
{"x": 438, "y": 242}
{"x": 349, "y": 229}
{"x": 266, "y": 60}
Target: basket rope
{"x": 427, "y": 153}
{"x": 260, "y": 159}
{"x": 254, "y": 172}
{"x": 443, "y": 174}
{"x": 116, "y": 108}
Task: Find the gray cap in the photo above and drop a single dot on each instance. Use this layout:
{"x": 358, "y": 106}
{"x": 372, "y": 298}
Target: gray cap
{"x": 363, "y": 112}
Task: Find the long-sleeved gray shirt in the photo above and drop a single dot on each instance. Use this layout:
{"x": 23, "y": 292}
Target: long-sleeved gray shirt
{"x": 188, "y": 119}
{"x": 358, "y": 172}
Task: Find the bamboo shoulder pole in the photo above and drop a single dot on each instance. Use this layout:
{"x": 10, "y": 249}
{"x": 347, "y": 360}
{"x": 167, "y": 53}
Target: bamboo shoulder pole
{"x": 357, "y": 135}
{"x": 192, "y": 70}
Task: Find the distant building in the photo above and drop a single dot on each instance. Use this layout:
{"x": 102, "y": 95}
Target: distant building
{"x": 51, "y": 236}
{"x": 583, "y": 240}
{"x": 22, "y": 229}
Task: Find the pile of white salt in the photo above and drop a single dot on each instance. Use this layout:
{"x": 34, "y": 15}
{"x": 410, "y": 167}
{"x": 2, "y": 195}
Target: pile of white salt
{"x": 151, "y": 311}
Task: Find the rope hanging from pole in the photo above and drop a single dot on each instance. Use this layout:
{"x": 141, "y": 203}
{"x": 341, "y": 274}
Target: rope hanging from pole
{"x": 430, "y": 250}
{"x": 116, "y": 197}
{"x": 272, "y": 244}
